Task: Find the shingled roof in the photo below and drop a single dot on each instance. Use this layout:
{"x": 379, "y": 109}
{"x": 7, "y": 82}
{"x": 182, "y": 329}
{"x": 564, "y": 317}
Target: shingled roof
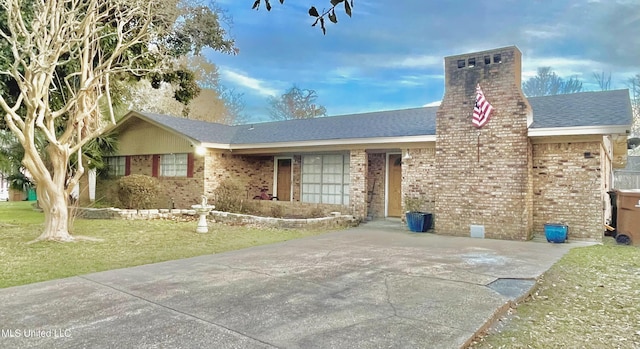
{"x": 606, "y": 108}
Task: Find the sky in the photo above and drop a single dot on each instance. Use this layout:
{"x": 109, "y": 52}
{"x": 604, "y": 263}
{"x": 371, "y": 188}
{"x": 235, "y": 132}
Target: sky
{"x": 390, "y": 54}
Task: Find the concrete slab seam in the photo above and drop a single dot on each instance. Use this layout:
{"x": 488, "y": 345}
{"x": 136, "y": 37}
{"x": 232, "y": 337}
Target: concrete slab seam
{"x": 177, "y": 311}
{"x": 500, "y": 313}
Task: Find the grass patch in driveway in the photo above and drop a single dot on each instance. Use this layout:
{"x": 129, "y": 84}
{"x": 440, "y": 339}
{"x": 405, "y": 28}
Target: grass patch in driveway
{"x": 125, "y": 243}
{"x": 588, "y": 299}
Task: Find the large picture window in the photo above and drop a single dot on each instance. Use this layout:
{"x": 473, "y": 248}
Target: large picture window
{"x": 117, "y": 166}
{"x": 174, "y": 165}
{"x": 325, "y": 179}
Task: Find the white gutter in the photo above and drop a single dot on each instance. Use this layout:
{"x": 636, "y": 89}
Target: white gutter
{"x": 578, "y": 131}
{"x": 323, "y": 142}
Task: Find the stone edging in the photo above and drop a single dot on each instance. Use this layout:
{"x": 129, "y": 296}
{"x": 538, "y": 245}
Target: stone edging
{"x": 336, "y": 220}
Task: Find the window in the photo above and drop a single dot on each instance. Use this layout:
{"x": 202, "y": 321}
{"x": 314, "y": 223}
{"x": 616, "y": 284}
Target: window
{"x": 325, "y": 179}
{"x": 173, "y": 165}
{"x": 117, "y": 166}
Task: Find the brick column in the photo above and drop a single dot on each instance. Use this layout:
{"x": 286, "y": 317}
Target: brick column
{"x": 358, "y": 184}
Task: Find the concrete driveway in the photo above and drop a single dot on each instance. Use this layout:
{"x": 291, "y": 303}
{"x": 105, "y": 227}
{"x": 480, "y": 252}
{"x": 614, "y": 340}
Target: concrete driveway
{"x": 375, "y": 286}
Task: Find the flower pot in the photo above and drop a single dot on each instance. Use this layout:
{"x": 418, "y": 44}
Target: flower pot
{"x": 419, "y": 222}
{"x": 555, "y": 232}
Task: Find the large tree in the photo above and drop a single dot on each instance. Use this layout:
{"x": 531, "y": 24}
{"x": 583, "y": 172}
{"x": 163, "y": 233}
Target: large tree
{"x": 634, "y": 89}
{"x": 61, "y": 62}
{"x": 547, "y": 82}
{"x": 214, "y": 103}
{"x": 603, "y": 80}
{"x": 296, "y": 103}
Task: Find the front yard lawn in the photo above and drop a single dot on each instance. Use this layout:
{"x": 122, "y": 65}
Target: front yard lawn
{"x": 125, "y": 243}
{"x": 588, "y": 299}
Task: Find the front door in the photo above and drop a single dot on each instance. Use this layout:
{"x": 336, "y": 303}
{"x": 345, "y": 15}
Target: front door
{"x": 394, "y": 185}
{"x": 284, "y": 179}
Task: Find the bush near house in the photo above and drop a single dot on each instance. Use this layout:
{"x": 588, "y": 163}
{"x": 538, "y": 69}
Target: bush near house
{"x": 229, "y": 197}
{"x": 138, "y": 191}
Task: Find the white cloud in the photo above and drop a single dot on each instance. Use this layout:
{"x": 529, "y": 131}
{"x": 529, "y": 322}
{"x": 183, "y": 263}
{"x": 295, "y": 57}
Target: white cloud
{"x": 242, "y": 79}
{"x": 563, "y": 66}
{"x": 420, "y": 61}
{"x": 395, "y": 61}
{"x": 542, "y": 34}
{"x": 342, "y": 75}
{"x": 416, "y": 80}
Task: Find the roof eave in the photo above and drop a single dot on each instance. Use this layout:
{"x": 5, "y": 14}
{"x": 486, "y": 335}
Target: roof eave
{"x": 579, "y": 130}
{"x": 323, "y": 142}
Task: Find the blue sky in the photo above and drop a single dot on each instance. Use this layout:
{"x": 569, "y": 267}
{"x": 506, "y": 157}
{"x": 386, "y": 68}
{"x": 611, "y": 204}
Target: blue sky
{"x": 389, "y": 55}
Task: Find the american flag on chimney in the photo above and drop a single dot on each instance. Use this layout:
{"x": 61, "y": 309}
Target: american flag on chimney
{"x": 482, "y": 110}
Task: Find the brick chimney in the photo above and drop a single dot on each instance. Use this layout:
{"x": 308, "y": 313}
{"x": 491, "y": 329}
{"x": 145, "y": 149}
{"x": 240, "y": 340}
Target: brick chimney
{"x": 484, "y": 180}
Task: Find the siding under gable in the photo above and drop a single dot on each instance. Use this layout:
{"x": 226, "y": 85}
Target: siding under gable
{"x": 143, "y": 138}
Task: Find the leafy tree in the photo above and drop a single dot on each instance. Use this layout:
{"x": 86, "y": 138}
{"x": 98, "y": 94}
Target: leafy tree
{"x": 313, "y": 11}
{"x": 296, "y": 103}
{"x": 214, "y": 103}
{"x": 547, "y": 82}
{"x": 63, "y": 62}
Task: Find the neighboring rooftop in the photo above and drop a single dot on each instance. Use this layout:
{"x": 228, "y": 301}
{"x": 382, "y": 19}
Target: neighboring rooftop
{"x": 585, "y": 109}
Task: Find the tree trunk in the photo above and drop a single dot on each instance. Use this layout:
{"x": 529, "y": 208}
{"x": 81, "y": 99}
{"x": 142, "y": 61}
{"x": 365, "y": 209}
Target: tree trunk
{"x": 52, "y": 193}
{"x": 56, "y": 213}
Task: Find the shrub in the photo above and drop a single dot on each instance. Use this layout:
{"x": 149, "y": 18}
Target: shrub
{"x": 138, "y": 191}
{"x": 229, "y": 196}
{"x": 316, "y": 212}
{"x": 277, "y": 211}
{"x": 413, "y": 204}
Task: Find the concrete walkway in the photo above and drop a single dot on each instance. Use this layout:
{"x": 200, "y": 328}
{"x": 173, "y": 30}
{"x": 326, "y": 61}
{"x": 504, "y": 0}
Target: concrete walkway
{"x": 375, "y": 286}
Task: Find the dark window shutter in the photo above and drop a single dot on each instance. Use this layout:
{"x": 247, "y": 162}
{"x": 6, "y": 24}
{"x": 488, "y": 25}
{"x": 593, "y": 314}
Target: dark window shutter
{"x": 189, "y": 165}
{"x": 127, "y": 165}
{"x": 155, "y": 169}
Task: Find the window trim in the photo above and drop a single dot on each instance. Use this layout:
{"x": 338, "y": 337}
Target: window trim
{"x": 126, "y": 166}
{"x": 157, "y": 166}
{"x": 344, "y": 194}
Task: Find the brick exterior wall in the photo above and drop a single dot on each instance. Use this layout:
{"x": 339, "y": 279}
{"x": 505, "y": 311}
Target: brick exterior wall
{"x": 568, "y": 188}
{"x": 358, "y": 186}
{"x": 482, "y": 176}
{"x": 376, "y": 184}
{"x": 250, "y": 172}
{"x": 419, "y": 177}
{"x": 175, "y": 192}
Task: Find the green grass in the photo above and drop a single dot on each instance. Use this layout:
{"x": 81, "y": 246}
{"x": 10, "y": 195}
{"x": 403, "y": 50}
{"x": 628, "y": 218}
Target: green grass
{"x": 125, "y": 243}
{"x": 589, "y": 299}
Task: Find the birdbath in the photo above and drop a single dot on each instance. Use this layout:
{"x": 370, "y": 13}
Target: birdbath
{"x": 203, "y": 210}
